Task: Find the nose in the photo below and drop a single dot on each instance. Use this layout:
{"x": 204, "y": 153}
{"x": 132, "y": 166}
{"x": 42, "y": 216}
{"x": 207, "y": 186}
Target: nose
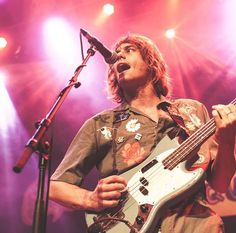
{"x": 121, "y": 54}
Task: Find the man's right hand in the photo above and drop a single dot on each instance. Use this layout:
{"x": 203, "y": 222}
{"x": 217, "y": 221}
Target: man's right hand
{"x": 107, "y": 193}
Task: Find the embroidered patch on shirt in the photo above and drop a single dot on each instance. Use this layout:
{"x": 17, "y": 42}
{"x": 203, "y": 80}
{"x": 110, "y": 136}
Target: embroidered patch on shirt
{"x": 133, "y": 153}
{"x": 138, "y": 136}
{"x": 133, "y": 125}
{"x": 192, "y": 121}
{"x": 120, "y": 139}
{"x": 106, "y": 132}
{"x": 121, "y": 117}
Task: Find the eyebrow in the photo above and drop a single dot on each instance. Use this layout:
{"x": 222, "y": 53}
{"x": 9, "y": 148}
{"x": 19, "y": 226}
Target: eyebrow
{"x": 126, "y": 47}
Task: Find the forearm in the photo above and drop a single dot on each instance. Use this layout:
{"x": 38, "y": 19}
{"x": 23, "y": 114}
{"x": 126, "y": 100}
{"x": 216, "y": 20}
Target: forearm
{"x": 69, "y": 195}
{"x": 223, "y": 167}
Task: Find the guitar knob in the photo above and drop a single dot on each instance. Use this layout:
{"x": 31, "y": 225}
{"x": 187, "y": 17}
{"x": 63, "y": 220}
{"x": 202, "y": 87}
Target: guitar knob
{"x": 144, "y": 208}
{"x": 139, "y": 220}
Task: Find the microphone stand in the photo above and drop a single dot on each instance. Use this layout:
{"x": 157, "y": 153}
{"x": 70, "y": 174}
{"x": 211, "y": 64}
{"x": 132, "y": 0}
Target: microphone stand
{"x": 39, "y": 144}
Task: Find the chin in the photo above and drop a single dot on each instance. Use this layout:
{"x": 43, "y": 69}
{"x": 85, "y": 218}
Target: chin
{"x": 121, "y": 80}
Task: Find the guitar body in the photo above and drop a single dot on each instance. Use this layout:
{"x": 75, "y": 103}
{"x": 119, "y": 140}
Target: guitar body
{"x": 151, "y": 189}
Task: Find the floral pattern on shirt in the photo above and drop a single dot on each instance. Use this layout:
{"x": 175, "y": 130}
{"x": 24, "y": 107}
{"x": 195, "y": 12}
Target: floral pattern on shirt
{"x": 186, "y": 116}
{"x": 192, "y": 121}
{"x": 133, "y": 153}
{"x": 133, "y": 125}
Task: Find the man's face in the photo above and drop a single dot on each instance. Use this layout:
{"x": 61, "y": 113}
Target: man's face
{"x": 130, "y": 69}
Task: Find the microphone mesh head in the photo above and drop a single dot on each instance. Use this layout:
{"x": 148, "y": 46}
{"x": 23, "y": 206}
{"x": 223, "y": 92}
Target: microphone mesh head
{"x": 112, "y": 59}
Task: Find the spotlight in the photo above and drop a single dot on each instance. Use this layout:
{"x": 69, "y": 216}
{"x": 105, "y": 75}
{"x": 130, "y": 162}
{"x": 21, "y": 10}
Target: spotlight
{"x": 2, "y": 77}
{"x": 60, "y": 40}
{"x": 170, "y": 33}
{"x": 3, "y": 43}
{"x": 108, "y": 9}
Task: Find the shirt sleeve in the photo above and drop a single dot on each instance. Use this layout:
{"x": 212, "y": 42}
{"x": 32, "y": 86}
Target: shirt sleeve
{"x": 80, "y": 156}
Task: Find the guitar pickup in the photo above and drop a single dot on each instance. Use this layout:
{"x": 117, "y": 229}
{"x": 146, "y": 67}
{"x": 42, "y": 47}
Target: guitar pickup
{"x": 143, "y": 190}
{"x": 143, "y": 181}
{"x": 149, "y": 165}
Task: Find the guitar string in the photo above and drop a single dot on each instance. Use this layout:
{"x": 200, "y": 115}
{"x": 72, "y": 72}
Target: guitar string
{"x": 205, "y": 128}
{"x": 192, "y": 143}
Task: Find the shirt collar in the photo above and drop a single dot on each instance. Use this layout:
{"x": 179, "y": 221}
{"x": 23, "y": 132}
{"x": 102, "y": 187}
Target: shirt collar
{"x": 126, "y": 107}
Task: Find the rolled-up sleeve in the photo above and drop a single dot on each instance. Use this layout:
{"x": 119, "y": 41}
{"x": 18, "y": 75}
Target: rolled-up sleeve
{"x": 80, "y": 156}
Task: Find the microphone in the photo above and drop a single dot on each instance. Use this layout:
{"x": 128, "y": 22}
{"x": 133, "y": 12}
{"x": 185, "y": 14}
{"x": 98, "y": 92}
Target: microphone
{"x": 110, "y": 57}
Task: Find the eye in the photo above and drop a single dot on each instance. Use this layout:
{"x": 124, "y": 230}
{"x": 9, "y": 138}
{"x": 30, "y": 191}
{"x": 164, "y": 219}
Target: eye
{"x": 130, "y": 49}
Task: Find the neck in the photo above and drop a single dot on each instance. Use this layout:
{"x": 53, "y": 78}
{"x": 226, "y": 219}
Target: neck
{"x": 143, "y": 99}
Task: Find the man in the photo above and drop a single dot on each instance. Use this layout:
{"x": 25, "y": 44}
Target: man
{"x": 117, "y": 140}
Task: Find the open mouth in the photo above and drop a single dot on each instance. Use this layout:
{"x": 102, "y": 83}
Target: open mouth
{"x": 122, "y": 67}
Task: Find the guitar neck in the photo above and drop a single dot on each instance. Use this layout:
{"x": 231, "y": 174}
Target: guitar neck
{"x": 191, "y": 143}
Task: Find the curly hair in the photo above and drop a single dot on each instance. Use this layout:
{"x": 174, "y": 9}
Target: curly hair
{"x": 154, "y": 60}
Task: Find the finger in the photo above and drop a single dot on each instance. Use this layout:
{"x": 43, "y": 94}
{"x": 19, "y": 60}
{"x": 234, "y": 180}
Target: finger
{"x": 108, "y": 203}
{"x": 222, "y": 110}
{"x": 114, "y": 179}
{"x": 232, "y": 113}
{"x": 113, "y": 195}
{"x": 102, "y": 187}
{"x": 222, "y": 114}
{"x": 232, "y": 108}
{"x": 225, "y": 109}
{"x": 232, "y": 118}
{"x": 216, "y": 115}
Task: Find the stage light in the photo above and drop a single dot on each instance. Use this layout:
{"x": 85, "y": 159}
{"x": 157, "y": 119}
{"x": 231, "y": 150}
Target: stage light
{"x": 7, "y": 47}
{"x": 108, "y": 9}
{"x": 3, "y": 42}
{"x": 61, "y": 41}
{"x": 6, "y": 107}
{"x": 170, "y": 33}
{"x": 2, "y": 78}
{"x": 229, "y": 22}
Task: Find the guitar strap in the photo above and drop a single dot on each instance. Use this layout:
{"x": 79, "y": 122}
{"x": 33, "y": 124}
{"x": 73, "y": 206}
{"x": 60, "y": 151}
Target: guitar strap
{"x": 185, "y": 118}
{"x": 173, "y": 112}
